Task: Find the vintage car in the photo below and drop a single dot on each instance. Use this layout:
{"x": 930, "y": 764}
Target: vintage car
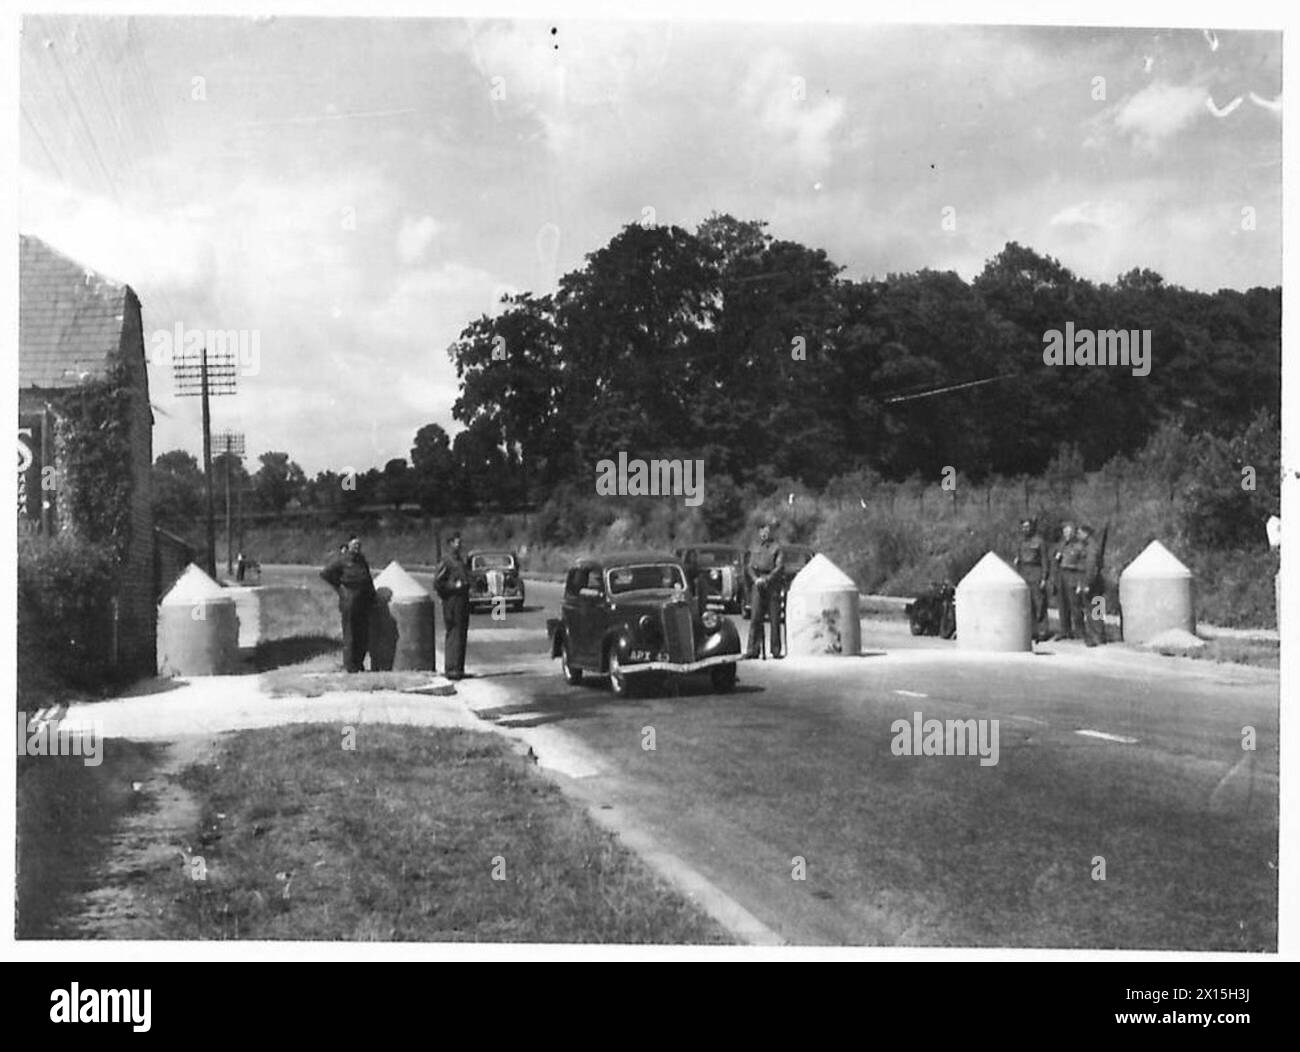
{"x": 495, "y": 576}
{"x": 721, "y": 574}
{"x": 629, "y": 615}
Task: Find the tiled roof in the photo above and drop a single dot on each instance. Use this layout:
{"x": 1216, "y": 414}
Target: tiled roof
{"x": 69, "y": 319}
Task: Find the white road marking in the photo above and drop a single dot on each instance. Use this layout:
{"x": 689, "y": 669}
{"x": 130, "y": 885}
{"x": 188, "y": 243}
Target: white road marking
{"x": 1108, "y": 737}
{"x": 911, "y": 693}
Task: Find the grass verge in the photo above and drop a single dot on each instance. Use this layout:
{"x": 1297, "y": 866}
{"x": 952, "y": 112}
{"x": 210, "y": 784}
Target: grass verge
{"x": 66, "y": 812}
{"x": 429, "y": 835}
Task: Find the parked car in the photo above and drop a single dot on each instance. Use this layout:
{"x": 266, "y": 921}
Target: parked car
{"x": 721, "y": 569}
{"x": 495, "y": 575}
{"x": 794, "y": 557}
{"x": 628, "y": 616}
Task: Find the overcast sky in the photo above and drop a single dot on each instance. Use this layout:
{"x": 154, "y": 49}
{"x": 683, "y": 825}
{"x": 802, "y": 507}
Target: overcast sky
{"x": 357, "y": 191}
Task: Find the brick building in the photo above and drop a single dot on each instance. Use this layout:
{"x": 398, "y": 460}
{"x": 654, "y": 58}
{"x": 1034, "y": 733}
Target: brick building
{"x": 77, "y": 328}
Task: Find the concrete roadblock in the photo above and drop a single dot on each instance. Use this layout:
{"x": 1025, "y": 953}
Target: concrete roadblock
{"x": 198, "y": 628}
{"x": 821, "y": 611}
{"x": 401, "y": 623}
{"x": 1155, "y": 595}
{"x": 993, "y": 608}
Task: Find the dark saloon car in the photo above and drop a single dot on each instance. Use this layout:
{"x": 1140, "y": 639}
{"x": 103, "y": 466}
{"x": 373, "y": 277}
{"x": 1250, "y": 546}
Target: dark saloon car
{"x": 494, "y": 576}
{"x": 629, "y": 616}
{"x": 721, "y": 570}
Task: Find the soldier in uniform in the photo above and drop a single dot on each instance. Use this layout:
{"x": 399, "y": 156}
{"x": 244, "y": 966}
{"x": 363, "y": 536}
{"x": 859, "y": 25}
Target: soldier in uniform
{"x": 348, "y": 573}
{"x": 1074, "y": 558}
{"x": 765, "y": 592}
{"x": 1064, "y": 594}
{"x": 1092, "y": 586}
{"x": 694, "y": 580}
{"x": 1032, "y": 562}
{"x": 451, "y": 582}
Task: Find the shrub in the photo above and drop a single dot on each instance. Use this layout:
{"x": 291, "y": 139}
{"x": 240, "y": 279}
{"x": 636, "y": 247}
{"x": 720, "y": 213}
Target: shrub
{"x": 65, "y": 597}
{"x": 1237, "y": 487}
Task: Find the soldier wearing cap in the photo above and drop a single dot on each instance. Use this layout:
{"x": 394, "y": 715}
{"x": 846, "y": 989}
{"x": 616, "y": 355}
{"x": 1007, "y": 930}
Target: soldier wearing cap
{"x": 1064, "y": 591}
{"x": 451, "y": 582}
{"x": 1073, "y": 564}
{"x": 1032, "y": 563}
{"x": 765, "y": 566}
{"x": 348, "y": 573}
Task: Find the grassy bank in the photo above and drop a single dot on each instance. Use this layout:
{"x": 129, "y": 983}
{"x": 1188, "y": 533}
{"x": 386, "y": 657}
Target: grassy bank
{"x": 893, "y": 539}
{"x": 416, "y": 834}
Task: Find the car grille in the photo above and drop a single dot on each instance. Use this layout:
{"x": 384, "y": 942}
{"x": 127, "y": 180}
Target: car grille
{"x": 679, "y": 639}
{"x": 495, "y": 582}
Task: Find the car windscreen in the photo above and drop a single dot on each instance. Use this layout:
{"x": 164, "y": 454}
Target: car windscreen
{"x": 493, "y": 562}
{"x": 656, "y": 575}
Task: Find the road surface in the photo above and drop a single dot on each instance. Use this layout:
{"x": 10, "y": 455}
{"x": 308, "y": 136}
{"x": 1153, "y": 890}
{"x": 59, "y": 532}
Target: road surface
{"x": 1123, "y": 810}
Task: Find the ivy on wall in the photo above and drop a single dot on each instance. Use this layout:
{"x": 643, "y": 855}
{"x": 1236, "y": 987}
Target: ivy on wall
{"x": 93, "y": 439}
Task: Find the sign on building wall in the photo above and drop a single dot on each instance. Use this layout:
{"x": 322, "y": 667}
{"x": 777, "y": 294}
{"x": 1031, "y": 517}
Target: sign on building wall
{"x": 36, "y": 474}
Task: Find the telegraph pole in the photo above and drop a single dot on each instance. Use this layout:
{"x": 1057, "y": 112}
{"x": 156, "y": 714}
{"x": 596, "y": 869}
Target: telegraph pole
{"x": 230, "y": 444}
{"x": 205, "y": 374}
{"x": 207, "y": 468}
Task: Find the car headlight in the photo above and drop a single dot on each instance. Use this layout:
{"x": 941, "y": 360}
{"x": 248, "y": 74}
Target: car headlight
{"x": 711, "y": 620}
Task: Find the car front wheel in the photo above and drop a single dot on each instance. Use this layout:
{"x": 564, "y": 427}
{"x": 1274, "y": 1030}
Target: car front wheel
{"x": 572, "y": 674}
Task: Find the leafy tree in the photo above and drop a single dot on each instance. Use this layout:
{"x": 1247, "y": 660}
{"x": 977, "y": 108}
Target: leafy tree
{"x": 433, "y": 469}
{"x": 178, "y": 490}
{"x": 397, "y": 483}
{"x": 277, "y": 482}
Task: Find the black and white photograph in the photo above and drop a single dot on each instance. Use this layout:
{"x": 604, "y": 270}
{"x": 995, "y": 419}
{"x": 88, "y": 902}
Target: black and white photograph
{"x": 697, "y": 481}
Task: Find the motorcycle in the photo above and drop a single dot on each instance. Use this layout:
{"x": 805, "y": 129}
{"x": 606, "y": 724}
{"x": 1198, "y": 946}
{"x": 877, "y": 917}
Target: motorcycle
{"x": 934, "y": 612}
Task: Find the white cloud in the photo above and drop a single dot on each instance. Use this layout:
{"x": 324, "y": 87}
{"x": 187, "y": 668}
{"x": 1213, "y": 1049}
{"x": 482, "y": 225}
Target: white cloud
{"x": 1159, "y": 111}
{"x": 789, "y": 115}
{"x": 1104, "y": 215}
{"x": 415, "y": 236}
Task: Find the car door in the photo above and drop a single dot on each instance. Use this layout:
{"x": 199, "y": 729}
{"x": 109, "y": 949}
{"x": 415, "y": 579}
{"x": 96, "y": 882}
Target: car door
{"x": 589, "y": 615}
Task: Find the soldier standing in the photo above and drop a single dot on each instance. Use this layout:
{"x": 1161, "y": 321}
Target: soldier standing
{"x": 348, "y": 573}
{"x": 1031, "y": 560}
{"x": 1064, "y": 593}
{"x": 1074, "y": 560}
{"x": 451, "y": 582}
{"x": 1094, "y": 621}
{"x": 694, "y": 582}
{"x": 765, "y": 592}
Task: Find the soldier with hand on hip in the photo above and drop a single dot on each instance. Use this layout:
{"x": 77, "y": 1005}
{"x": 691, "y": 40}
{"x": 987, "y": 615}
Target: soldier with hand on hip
{"x": 451, "y": 583}
{"x": 348, "y": 573}
{"x": 765, "y": 566}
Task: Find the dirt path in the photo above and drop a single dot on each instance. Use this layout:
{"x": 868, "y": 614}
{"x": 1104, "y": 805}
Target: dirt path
{"x": 155, "y": 834}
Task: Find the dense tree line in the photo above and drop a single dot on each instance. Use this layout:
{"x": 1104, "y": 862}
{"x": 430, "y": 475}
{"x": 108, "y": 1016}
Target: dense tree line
{"x": 758, "y": 356}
